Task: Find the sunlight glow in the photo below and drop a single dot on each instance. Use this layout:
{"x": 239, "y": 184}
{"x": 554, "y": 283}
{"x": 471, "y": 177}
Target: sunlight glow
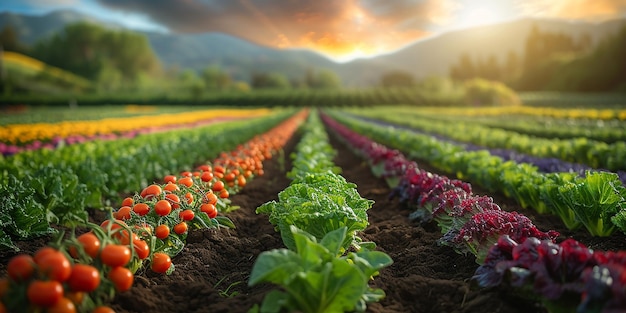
{"x": 480, "y": 14}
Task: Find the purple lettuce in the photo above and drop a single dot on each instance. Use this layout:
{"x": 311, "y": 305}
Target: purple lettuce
{"x": 483, "y": 229}
{"x": 566, "y": 276}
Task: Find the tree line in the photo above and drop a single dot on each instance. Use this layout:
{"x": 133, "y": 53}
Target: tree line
{"x": 124, "y": 60}
{"x": 553, "y": 61}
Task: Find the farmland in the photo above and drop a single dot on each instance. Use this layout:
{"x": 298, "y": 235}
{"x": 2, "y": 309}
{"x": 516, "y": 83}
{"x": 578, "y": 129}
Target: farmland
{"x": 213, "y": 268}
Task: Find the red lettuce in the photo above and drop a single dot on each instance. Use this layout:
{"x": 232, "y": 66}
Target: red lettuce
{"x": 567, "y": 276}
{"x": 483, "y": 229}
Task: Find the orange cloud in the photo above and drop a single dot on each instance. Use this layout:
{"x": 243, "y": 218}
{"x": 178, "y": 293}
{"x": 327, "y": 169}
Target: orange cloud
{"x": 339, "y": 29}
{"x": 361, "y": 29}
{"x": 575, "y": 9}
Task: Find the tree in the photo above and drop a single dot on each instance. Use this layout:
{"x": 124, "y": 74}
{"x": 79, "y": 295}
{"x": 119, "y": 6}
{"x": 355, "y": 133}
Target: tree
{"x": 323, "y": 79}
{"x": 215, "y": 78}
{"x": 512, "y": 66}
{"x": 465, "y": 69}
{"x": 95, "y": 52}
{"x": 270, "y": 81}
{"x": 327, "y": 79}
{"x": 397, "y": 79}
{"x": 9, "y": 40}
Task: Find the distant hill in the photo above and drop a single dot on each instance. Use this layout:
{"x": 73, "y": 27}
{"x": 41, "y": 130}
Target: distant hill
{"x": 435, "y": 55}
{"x": 432, "y": 56}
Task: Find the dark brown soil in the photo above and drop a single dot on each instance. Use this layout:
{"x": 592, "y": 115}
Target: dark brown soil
{"x": 212, "y": 271}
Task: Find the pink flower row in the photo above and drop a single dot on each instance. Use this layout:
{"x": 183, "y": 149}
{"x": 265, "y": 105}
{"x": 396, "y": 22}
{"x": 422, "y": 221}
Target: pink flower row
{"x": 57, "y": 142}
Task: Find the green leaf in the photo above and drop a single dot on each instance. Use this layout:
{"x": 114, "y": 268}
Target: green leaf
{"x": 225, "y": 221}
{"x": 275, "y": 266}
{"x": 369, "y": 262}
{"x": 333, "y": 241}
{"x": 273, "y": 302}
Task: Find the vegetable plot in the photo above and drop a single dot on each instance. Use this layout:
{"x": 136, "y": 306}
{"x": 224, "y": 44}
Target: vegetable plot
{"x": 46, "y": 187}
{"x": 213, "y": 268}
{"x": 88, "y": 269}
{"x": 519, "y": 181}
{"x": 318, "y": 217}
{"x": 565, "y": 276}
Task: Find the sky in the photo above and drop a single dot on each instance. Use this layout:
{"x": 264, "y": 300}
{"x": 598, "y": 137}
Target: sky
{"x": 342, "y": 30}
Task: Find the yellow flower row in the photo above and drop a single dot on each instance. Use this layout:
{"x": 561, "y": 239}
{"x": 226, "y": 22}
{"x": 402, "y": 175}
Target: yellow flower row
{"x": 21, "y": 133}
{"x": 601, "y": 114}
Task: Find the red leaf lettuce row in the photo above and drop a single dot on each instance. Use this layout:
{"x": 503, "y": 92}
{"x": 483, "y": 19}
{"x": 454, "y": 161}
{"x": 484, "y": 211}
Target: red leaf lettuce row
{"x": 568, "y": 276}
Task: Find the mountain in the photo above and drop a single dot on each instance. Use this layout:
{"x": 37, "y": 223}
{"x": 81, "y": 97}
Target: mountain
{"x": 435, "y": 55}
{"x": 431, "y": 56}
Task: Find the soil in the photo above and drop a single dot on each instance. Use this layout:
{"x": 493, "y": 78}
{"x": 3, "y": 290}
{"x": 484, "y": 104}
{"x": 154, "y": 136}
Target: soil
{"x": 212, "y": 271}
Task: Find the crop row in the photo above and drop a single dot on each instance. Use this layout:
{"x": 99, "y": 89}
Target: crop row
{"x": 537, "y": 111}
{"x": 564, "y": 277}
{"x": 594, "y": 153}
{"x": 24, "y": 114}
{"x": 608, "y": 131}
{"x": 81, "y": 273}
{"x": 26, "y": 133}
{"x": 318, "y": 216}
{"x": 543, "y": 164}
{"x": 595, "y": 201}
{"x": 54, "y": 186}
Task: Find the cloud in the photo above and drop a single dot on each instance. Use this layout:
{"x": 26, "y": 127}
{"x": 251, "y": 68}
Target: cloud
{"x": 575, "y": 9}
{"x": 336, "y": 28}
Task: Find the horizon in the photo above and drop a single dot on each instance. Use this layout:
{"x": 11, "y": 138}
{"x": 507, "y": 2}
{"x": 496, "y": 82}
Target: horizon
{"x": 391, "y": 30}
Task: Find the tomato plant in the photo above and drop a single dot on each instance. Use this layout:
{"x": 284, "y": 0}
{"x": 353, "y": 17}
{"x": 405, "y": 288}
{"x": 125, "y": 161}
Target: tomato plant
{"x": 162, "y": 207}
{"x": 44, "y": 293}
{"x": 128, "y": 201}
{"x": 210, "y": 198}
{"x": 90, "y": 243}
{"x": 171, "y": 187}
{"x": 161, "y": 262}
{"x": 180, "y": 228}
{"x": 186, "y": 181}
{"x": 64, "y": 305}
{"x": 206, "y": 176}
{"x": 115, "y": 255}
{"x": 103, "y": 309}
{"x": 123, "y": 213}
{"x": 122, "y": 278}
{"x": 55, "y": 266}
{"x": 218, "y": 186}
{"x": 151, "y": 191}
{"x": 209, "y": 209}
{"x": 162, "y": 231}
{"x": 187, "y": 215}
{"x": 84, "y": 278}
{"x": 21, "y": 267}
{"x": 173, "y": 199}
{"x": 141, "y": 209}
{"x": 169, "y": 179}
{"x": 142, "y": 249}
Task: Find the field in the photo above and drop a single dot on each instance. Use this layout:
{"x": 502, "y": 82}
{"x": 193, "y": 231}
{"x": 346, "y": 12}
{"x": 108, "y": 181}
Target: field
{"x": 212, "y": 270}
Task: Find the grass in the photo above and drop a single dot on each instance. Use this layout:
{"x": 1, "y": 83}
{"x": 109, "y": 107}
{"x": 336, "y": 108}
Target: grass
{"x": 26, "y": 71}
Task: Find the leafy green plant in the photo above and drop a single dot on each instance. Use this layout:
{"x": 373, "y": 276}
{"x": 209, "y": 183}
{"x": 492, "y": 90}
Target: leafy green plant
{"x": 21, "y": 217}
{"x": 318, "y": 204}
{"x": 595, "y": 200}
{"x": 315, "y": 278}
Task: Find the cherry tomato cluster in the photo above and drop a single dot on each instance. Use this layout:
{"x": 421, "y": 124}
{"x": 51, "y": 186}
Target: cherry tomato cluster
{"x": 74, "y": 274}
